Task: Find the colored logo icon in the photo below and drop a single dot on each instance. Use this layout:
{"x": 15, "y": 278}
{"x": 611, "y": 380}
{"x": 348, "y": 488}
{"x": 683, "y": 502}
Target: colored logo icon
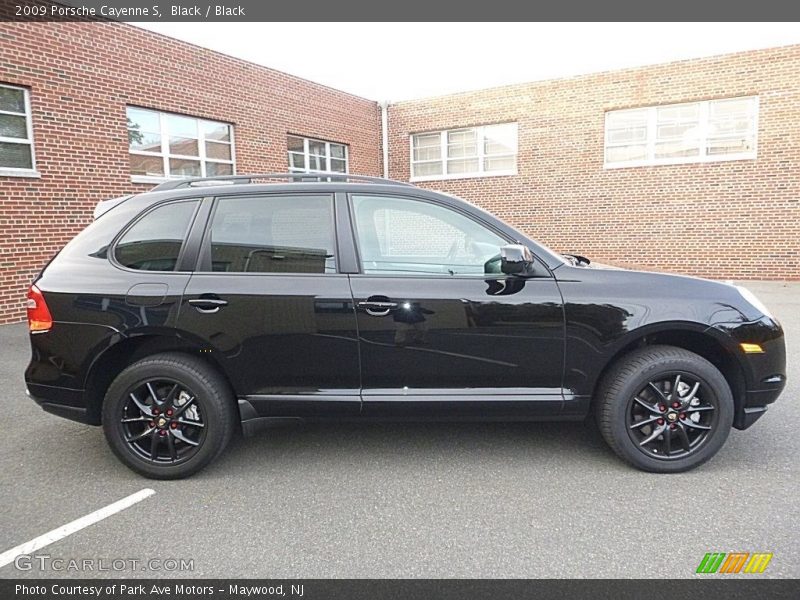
{"x": 734, "y": 562}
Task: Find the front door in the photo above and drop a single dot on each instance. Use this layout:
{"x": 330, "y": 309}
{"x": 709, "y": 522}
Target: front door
{"x": 443, "y": 333}
{"x": 270, "y": 305}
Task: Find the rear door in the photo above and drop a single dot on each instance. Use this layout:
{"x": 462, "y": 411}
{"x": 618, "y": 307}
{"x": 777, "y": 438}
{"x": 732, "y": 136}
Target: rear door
{"x": 443, "y": 332}
{"x": 268, "y": 300}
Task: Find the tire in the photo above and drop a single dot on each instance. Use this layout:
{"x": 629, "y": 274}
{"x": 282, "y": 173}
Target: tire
{"x": 631, "y": 398}
{"x": 194, "y": 402}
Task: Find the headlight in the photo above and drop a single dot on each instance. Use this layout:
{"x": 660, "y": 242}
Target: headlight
{"x": 753, "y": 300}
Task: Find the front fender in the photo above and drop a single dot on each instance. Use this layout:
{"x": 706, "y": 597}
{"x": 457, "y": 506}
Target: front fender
{"x": 608, "y": 311}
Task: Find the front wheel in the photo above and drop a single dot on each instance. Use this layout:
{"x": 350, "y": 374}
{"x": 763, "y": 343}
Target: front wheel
{"x": 665, "y": 409}
{"x": 167, "y": 416}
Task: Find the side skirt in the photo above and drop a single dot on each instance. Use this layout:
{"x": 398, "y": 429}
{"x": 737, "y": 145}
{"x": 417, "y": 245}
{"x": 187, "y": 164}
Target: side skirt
{"x": 269, "y": 411}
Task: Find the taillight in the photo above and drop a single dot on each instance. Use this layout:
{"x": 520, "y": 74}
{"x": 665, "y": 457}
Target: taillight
{"x": 39, "y": 318}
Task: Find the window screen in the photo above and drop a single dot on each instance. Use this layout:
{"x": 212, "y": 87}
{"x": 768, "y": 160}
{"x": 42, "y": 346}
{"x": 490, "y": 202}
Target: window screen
{"x": 16, "y": 133}
{"x": 710, "y": 130}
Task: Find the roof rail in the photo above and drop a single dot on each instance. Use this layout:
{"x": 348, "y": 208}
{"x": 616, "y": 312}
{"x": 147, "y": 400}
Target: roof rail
{"x": 233, "y": 179}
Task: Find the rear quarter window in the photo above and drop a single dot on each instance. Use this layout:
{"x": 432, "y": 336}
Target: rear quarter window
{"x": 154, "y": 242}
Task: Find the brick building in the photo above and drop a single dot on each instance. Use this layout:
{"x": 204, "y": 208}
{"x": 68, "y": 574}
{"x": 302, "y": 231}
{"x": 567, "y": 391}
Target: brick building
{"x": 691, "y": 166}
{"x": 82, "y": 87}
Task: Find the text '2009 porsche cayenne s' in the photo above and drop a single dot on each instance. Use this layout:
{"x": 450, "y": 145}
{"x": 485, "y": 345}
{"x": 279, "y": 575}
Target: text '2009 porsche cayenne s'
{"x": 203, "y": 306}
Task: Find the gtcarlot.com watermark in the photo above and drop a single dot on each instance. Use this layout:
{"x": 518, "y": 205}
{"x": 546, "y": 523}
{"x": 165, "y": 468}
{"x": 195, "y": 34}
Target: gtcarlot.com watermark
{"x": 47, "y": 562}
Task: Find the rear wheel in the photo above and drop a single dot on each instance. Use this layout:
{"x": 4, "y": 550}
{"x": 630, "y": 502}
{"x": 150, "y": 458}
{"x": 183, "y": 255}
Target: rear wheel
{"x": 665, "y": 409}
{"x": 169, "y": 415}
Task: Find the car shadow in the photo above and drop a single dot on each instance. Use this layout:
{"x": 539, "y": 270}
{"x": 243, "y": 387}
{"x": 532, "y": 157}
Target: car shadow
{"x": 398, "y": 445}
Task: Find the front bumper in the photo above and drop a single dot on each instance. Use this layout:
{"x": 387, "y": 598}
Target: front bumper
{"x": 764, "y": 373}
{"x": 756, "y": 403}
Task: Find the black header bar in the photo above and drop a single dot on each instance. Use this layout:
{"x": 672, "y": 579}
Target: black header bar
{"x": 400, "y": 10}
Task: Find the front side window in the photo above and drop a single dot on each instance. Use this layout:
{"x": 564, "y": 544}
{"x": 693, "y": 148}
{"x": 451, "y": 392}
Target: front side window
{"x": 711, "y": 130}
{"x": 407, "y": 237}
{"x": 164, "y": 145}
{"x": 273, "y": 234}
{"x": 154, "y": 242}
{"x": 468, "y": 152}
{"x": 307, "y": 155}
{"x": 16, "y": 132}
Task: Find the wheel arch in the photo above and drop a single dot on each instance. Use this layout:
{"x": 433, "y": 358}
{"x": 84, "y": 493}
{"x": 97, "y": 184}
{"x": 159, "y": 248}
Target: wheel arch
{"x": 128, "y": 350}
{"x": 693, "y": 337}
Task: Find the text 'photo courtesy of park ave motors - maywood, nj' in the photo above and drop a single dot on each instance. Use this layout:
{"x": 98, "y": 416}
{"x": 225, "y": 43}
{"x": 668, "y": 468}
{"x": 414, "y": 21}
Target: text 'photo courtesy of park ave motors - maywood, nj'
{"x": 159, "y": 590}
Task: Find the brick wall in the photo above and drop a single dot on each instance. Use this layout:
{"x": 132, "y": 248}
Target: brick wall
{"x": 738, "y": 219}
{"x": 81, "y": 76}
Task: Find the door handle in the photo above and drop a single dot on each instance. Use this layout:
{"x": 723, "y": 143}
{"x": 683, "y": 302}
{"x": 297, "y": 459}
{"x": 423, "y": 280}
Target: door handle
{"x": 208, "y": 305}
{"x": 377, "y": 308}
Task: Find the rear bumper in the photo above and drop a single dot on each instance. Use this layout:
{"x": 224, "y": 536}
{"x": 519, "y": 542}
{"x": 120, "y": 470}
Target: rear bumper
{"x": 59, "y": 401}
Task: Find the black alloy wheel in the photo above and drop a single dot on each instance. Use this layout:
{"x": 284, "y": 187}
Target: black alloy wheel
{"x": 169, "y": 415}
{"x": 664, "y": 409}
{"x": 672, "y": 416}
{"x": 162, "y": 421}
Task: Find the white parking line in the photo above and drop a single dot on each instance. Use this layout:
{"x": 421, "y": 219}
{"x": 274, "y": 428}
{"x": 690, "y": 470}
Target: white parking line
{"x": 76, "y": 525}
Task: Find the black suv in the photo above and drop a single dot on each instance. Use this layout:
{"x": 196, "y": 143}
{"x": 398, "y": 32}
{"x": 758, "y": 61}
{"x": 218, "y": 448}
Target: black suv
{"x": 181, "y": 314}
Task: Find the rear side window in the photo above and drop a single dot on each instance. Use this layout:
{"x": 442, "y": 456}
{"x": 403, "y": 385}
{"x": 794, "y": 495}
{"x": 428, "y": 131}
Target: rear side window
{"x": 154, "y": 242}
{"x": 273, "y": 234}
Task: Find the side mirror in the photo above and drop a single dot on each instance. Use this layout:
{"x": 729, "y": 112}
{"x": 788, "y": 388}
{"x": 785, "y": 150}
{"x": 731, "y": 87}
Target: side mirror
{"x": 516, "y": 259}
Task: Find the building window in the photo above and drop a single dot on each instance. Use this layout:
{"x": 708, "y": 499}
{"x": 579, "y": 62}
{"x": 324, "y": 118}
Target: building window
{"x": 469, "y": 152}
{"x": 164, "y": 145}
{"x": 16, "y": 132}
{"x": 711, "y": 130}
{"x": 308, "y": 155}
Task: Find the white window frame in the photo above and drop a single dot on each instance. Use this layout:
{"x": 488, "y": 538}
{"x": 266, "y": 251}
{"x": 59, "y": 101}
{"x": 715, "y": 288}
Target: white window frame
{"x": 28, "y": 141}
{"x": 165, "y": 154}
{"x": 307, "y": 155}
{"x": 703, "y": 157}
{"x": 481, "y": 155}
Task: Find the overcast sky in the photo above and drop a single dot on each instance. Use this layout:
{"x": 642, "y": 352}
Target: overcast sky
{"x": 399, "y": 61}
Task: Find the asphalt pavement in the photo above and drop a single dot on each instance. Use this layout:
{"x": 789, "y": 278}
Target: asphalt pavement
{"x": 404, "y": 500}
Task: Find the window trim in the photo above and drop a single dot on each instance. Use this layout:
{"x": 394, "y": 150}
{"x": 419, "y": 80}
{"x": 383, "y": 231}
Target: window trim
{"x": 481, "y": 155}
{"x": 165, "y": 155}
{"x": 204, "y": 266}
{"x": 111, "y": 255}
{"x": 15, "y": 171}
{"x": 703, "y": 157}
{"x": 306, "y": 154}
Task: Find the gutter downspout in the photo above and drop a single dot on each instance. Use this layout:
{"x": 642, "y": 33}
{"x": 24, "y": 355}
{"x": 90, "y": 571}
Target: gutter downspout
{"x": 385, "y": 136}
